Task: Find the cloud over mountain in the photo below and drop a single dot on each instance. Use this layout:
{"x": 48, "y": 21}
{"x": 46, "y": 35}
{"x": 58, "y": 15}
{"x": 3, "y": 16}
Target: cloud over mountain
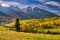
{"x": 44, "y": 4}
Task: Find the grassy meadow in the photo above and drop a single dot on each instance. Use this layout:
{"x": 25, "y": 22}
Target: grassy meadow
{"x": 13, "y": 35}
{"x": 32, "y": 29}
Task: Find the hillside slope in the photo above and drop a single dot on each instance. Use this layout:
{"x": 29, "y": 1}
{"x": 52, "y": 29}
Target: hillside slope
{"x": 4, "y": 17}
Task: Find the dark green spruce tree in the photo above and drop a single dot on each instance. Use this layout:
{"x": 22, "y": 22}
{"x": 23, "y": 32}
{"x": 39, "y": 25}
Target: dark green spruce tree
{"x": 17, "y": 25}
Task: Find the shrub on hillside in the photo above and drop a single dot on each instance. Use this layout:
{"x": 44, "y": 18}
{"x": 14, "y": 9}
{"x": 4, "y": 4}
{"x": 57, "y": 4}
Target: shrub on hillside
{"x": 2, "y": 29}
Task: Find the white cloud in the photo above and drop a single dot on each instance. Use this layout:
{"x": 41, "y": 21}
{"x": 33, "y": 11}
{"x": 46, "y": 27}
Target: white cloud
{"x": 13, "y": 3}
{"x": 41, "y": 0}
{"x": 5, "y": 5}
{"x": 57, "y": 12}
{"x": 52, "y": 3}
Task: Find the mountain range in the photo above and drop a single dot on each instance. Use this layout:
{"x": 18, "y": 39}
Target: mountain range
{"x": 10, "y": 13}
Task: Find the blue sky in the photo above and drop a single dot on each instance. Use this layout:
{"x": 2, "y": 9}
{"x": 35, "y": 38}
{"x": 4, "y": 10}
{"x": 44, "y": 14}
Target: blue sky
{"x": 50, "y": 5}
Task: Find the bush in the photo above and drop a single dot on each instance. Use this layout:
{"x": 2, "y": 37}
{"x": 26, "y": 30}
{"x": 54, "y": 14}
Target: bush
{"x": 2, "y": 29}
{"x": 48, "y": 27}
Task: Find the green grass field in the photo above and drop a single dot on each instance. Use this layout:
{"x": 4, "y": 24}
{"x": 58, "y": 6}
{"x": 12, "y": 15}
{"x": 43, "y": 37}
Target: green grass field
{"x": 12, "y": 35}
